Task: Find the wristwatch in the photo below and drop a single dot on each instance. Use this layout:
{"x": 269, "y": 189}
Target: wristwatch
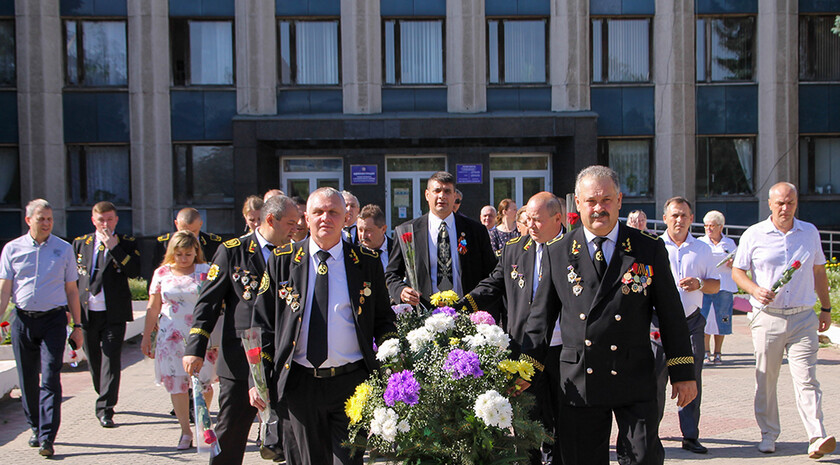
{"x": 77, "y": 325}
{"x": 826, "y": 310}
{"x": 700, "y": 280}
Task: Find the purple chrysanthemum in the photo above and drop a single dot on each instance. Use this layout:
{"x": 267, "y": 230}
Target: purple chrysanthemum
{"x": 447, "y": 310}
{"x": 402, "y": 387}
{"x": 482, "y": 318}
{"x": 462, "y": 363}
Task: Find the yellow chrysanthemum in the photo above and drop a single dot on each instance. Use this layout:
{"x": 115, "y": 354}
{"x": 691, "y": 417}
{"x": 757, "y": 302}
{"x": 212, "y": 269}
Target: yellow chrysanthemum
{"x": 509, "y": 366}
{"x": 354, "y": 405}
{"x": 444, "y": 298}
{"x": 526, "y": 370}
{"x": 454, "y": 341}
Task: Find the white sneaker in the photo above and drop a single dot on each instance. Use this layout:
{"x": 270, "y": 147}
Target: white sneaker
{"x": 821, "y": 446}
{"x": 767, "y": 445}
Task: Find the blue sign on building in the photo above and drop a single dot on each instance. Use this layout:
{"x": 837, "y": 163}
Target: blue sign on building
{"x": 362, "y": 174}
{"x": 468, "y": 174}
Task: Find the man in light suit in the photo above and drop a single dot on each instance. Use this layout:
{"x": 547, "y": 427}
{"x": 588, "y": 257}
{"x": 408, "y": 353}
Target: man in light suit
{"x": 452, "y": 252}
{"x": 105, "y": 261}
{"x": 322, "y": 304}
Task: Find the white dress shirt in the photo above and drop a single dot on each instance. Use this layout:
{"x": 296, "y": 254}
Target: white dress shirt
{"x": 556, "y": 338}
{"x": 343, "y": 345}
{"x": 96, "y": 303}
{"x": 767, "y": 252}
{"x": 434, "y": 226}
{"x": 719, "y": 252}
{"x": 691, "y": 259}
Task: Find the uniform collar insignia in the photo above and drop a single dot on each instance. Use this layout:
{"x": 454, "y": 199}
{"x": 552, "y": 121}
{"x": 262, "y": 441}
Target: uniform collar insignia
{"x": 626, "y": 245}
{"x": 300, "y": 254}
{"x": 575, "y": 247}
{"x": 354, "y": 257}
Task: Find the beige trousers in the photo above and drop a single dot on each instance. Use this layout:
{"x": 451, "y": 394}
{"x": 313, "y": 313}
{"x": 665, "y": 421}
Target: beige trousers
{"x": 797, "y": 334}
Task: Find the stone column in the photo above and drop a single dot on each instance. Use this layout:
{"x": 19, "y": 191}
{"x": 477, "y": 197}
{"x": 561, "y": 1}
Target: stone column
{"x": 466, "y": 56}
{"x": 361, "y": 56}
{"x": 569, "y": 58}
{"x": 151, "y": 132}
{"x": 256, "y": 57}
{"x": 778, "y": 103}
{"x": 39, "y": 53}
{"x": 674, "y": 76}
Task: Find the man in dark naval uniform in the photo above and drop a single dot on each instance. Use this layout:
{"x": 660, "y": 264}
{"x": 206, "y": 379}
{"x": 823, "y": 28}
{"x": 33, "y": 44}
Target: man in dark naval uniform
{"x": 188, "y": 219}
{"x": 605, "y": 280}
{"x": 322, "y": 305}
{"x": 105, "y": 261}
{"x": 517, "y": 276}
{"x": 234, "y": 279}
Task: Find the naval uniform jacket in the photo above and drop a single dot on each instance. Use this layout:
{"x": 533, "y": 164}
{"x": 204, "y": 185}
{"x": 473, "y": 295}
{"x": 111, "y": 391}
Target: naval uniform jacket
{"x": 513, "y": 278}
{"x": 281, "y": 317}
{"x": 233, "y": 279}
{"x": 606, "y": 358}
{"x": 476, "y": 263}
{"x": 121, "y": 262}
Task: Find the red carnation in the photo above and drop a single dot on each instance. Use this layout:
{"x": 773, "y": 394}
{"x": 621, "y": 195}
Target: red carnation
{"x": 253, "y": 355}
{"x": 572, "y": 218}
{"x": 406, "y": 237}
{"x": 4, "y": 324}
{"x": 209, "y": 436}
{"x": 796, "y": 264}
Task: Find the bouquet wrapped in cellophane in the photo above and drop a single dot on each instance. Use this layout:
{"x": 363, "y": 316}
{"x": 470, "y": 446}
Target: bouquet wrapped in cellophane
{"x": 441, "y": 396}
{"x": 799, "y": 257}
{"x": 252, "y": 341}
{"x": 206, "y": 441}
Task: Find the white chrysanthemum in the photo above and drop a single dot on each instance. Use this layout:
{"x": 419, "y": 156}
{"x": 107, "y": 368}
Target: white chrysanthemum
{"x": 388, "y": 349}
{"x": 440, "y": 322}
{"x": 386, "y": 424}
{"x": 494, "y": 335}
{"x": 475, "y": 341}
{"x": 417, "y": 338}
{"x": 494, "y": 409}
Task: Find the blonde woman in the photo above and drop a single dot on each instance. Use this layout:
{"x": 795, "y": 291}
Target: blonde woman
{"x": 172, "y": 297}
{"x": 251, "y": 212}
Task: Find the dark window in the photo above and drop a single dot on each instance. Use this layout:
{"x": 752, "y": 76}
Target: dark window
{"x": 309, "y": 52}
{"x": 99, "y": 173}
{"x": 620, "y": 50}
{"x": 9, "y": 176}
{"x": 725, "y": 166}
{"x": 725, "y": 49}
{"x": 819, "y": 165}
{"x": 516, "y": 51}
{"x": 819, "y": 49}
{"x": 202, "y": 52}
{"x": 7, "y": 53}
{"x": 413, "y": 51}
{"x": 202, "y": 174}
{"x": 95, "y": 53}
{"x": 631, "y": 159}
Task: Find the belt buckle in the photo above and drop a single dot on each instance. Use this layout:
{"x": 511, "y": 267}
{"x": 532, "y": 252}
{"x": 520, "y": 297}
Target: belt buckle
{"x": 332, "y": 372}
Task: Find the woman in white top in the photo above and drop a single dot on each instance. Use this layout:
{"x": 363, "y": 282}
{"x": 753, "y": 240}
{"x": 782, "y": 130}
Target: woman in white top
{"x": 717, "y": 308}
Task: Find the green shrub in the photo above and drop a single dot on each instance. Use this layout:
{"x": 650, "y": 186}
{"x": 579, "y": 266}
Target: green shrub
{"x": 139, "y": 289}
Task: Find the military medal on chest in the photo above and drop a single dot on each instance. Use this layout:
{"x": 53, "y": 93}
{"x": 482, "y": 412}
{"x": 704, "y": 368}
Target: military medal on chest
{"x": 636, "y": 279}
{"x": 364, "y": 292}
{"x": 575, "y": 280}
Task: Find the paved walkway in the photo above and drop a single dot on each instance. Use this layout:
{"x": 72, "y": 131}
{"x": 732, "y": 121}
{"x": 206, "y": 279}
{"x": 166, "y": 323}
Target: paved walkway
{"x": 146, "y": 434}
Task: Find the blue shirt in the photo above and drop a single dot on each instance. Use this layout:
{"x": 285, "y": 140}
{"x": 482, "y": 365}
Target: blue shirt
{"x": 38, "y": 272}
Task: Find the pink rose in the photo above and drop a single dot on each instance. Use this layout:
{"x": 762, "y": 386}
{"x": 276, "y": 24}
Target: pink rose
{"x": 482, "y": 318}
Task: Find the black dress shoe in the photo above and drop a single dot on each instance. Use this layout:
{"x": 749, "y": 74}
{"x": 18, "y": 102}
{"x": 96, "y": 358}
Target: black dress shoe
{"x": 270, "y": 453}
{"x": 33, "y": 440}
{"x": 693, "y": 445}
{"x": 46, "y": 449}
{"x": 106, "y": 422}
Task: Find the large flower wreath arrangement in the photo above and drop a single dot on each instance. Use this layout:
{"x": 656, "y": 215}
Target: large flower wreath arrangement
{"x": 441, "y": 396}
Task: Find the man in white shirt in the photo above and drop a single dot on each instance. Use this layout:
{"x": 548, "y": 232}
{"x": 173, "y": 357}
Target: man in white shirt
{"x": 695, "y": 274}
{"x": 488, "y": 217}
{"x": 788, "y": 321}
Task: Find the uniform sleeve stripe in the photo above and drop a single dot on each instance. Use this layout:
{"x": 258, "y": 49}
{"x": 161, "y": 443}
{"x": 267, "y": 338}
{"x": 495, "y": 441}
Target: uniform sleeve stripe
{"x": 681, "y": 361}
{"x": 532, "y": 361}
{"x": 267, "y": 357}
{"x": 200, "y": 332}
{"x": 471, "y": 302}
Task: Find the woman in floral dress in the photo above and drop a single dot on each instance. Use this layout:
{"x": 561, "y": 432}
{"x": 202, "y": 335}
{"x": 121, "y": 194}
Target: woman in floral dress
{"x": 172, "y": 297}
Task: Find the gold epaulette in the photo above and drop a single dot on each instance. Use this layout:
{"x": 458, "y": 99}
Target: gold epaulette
{"x": 214, "y": 237}
{"x": 232, "y": 243}
{"x": 81, "y": 238}
{"x": 681, "y": 361}
{"x": 650, "y": 235}
{"x": 554, "y": 240}
{"x": 532, "y": 361}
{"x": 283, "y": 249}
{"x": 514, "y": 240}
{"x": 163, "y": 237}
{"x": 367, "y": 251}
{"x": 200, "y": 332}
{"x": 127, "y": 237}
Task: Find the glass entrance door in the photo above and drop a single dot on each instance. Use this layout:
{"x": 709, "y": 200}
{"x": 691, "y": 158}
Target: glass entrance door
{"x": 519, "y": 176}
{"x": 301, "y": 176}
{"x": 405, "y": 184}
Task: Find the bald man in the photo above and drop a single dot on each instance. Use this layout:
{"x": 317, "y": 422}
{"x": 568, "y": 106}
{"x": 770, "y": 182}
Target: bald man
{"x": 187, "y": 219}
{"x": 784, "y": 321}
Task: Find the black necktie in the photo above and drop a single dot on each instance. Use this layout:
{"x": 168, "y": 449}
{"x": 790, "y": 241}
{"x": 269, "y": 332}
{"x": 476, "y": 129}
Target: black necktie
{"x": 599, "y": 259}
{"x": 444, "y": 260}
{"x": 316, "y": 347}
{"x": 96, "y": 278}
{"x": 352, "y": 238}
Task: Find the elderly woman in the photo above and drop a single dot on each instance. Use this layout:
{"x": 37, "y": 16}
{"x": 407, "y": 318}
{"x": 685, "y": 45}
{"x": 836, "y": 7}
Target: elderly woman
{"x": 637, "y": 219}
{"x": 505, "y": 229}
{"x": 251, "y": 212}
{"x": 717, "y": 308}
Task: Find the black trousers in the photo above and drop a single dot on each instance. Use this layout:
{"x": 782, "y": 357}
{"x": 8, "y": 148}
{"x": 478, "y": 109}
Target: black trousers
{"x": 585, "y": 434}
{"x": 317, "y": 419}
{"x": 103, "y": 346}
{"x": 38, "y": 344}
{"x": 236, "y": 415}
{"x": 690, "y": 414}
